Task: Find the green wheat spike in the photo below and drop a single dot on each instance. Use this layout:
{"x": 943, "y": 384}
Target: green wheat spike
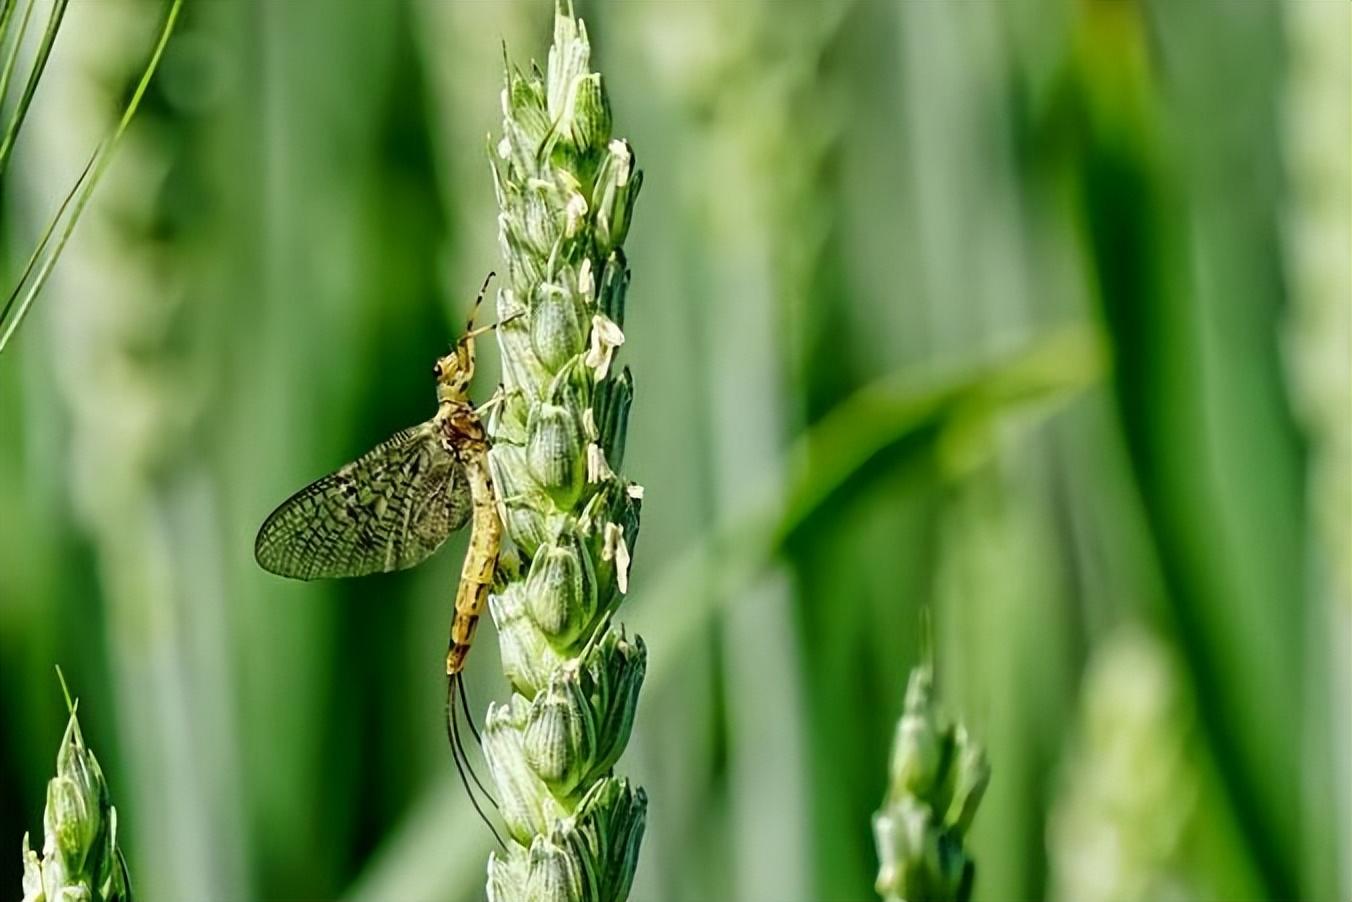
{"x": 566, "y": 191}
{"x": 937, "y": 777}
{"x": 80, "y": 859}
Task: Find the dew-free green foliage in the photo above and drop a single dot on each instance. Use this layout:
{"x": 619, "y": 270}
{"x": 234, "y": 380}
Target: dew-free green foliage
{"x": 937, "y": 776}
{"x": 80, "y": 860}
{"x": 566, "y": 190}
{"x": 867, "y": 232}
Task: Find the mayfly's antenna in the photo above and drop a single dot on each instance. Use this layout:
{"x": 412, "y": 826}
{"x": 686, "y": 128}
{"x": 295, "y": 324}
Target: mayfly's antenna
{"x": 461, "y": 759}
{"x": 474, "y": 311}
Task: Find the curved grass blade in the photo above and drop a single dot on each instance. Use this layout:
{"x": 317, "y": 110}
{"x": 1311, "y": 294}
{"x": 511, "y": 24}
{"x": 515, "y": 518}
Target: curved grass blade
{"x": 13, "y": 57}
{"x": 47, "y": 236}
{"x": 6, "y": 12}
{"x": 98, "y": 163}
{"x": 44, "y": 51}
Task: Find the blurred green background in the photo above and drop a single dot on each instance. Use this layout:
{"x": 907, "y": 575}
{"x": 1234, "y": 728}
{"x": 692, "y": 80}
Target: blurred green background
{"x": 1035, "y": 316}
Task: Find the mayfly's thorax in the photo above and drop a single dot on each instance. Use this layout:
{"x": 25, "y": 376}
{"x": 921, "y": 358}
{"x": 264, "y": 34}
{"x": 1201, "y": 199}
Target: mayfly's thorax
{"x": 453, "y": 393}
{"x": 462, "y": 430}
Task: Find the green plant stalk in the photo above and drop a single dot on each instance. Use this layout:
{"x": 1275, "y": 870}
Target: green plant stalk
{"x": 937, "y": 777}
{"x": 1317, "y": 333}
{"x": 80, "y": 860}
{"x": 566, "y": 191}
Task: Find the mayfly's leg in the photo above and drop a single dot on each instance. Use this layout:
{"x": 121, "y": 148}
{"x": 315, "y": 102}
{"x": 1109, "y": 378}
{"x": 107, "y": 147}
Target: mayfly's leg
{"x": 489, "y": 327}
{"x": 499, "y": 396}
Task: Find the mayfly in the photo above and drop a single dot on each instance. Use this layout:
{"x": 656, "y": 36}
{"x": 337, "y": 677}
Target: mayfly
{"x": 396, "y": 504}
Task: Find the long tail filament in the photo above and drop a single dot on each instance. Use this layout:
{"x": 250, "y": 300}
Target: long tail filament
{"x": 468, "y": 778}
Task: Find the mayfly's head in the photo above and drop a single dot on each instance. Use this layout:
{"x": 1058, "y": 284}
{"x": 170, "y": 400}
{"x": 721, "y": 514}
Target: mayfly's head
{"x": 455, "y": 371}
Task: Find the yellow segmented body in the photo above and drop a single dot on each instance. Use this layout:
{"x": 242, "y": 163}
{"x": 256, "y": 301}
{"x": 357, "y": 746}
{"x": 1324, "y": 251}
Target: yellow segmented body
{"x": 465, "y": 434}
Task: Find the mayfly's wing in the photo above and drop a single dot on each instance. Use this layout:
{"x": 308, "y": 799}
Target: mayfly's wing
{"x": 387, "y": 510}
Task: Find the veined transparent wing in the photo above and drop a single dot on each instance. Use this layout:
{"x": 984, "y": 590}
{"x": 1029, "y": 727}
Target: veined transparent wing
{"x": 387, "y": 510}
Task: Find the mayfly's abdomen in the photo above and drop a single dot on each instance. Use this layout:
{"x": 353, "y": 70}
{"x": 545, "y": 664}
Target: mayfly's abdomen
{"x": 481, "y": 560}
{"x": 462, "y": 637}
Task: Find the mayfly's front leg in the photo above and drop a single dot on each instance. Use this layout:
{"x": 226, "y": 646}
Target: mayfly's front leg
{"x": 499, "y": 395}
